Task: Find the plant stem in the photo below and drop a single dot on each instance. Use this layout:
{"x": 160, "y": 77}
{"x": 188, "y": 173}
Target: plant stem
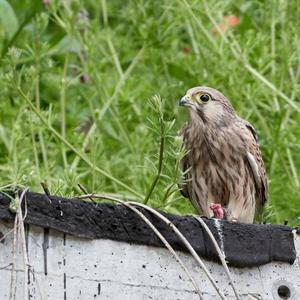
{"x": 76, "y": 151}
{"x": 63, "y": 110}
{"x": 160, "y": 162}
{"x": 38, "y": 105}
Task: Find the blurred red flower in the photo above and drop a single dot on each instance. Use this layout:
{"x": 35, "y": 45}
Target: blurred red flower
{"x": 229, "y": 22}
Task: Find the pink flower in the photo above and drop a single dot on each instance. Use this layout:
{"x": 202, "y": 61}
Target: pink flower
{"x": 217, "y": 210}
{"x": 46, "y": 2}
{"x": 229, "y": 22}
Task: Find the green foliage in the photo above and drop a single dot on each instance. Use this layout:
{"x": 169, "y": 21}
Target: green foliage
{"x": 8, "y": 19}
{"x": 77, "y": 76}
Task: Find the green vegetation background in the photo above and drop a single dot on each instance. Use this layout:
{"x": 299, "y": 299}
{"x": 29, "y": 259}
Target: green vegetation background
{"x": 77, "y": 76}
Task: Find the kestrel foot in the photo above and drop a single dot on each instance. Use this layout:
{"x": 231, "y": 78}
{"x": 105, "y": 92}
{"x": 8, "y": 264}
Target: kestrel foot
{"x": 217, "y": 210}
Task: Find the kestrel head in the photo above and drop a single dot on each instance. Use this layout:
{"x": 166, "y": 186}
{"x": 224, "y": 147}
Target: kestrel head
{"x": 208, "y": 104}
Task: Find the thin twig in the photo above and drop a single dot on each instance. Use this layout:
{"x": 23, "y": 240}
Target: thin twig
{"x": 82, "y": 188}
{"x": 104, "y": 13}
{"x": 186, "y": 243}
{"x": 200, "y": 25}
{"x": 45, "y": 188}
{"x": 160, "y": 163}
{"x": 177, "y": 232}
{"x": 168, "y": 246}
{"x": 115, "y": 57}
{"x": 158, "y": 234}
{"x": 63, "y": 109}
{"x": 12, "y": 290}
{"x": 273, "y": 52}
{"x": 84, "y": 145}
{"x": 220, "y": 253}
{"x": 38, "y": 104}
{"x": 19, "y": 232}
{"x": 27, "y": 267}
{"x": 23, "y": 241}
{"x": 34, "y": 149}
{"x": 121, "y": 83}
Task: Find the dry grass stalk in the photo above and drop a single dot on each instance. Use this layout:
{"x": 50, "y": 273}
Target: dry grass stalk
{"x": 172, "y": 226}
{"x": 158, "y": 234}
{"x": 220, "y": 253}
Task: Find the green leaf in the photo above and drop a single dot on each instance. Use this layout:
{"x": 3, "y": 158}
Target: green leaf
{"x": 8, "y": 19}
{"x": 65, "y": 45}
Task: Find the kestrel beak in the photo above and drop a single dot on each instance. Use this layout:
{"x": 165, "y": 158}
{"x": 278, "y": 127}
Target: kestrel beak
{"x": 184, "y": 101}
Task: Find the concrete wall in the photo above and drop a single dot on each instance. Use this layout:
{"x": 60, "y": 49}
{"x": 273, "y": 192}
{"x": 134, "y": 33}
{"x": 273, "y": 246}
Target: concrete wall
{"x": 66, "y": 267}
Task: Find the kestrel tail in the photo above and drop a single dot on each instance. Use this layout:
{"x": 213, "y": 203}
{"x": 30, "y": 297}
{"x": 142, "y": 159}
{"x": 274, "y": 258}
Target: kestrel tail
{"x": 223, "y": 162}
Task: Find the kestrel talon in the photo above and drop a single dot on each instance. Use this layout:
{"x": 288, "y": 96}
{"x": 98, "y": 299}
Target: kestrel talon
{"x": 223, "y": 163}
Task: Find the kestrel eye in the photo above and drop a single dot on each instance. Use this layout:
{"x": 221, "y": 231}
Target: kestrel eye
{"x": 205, "y": 98}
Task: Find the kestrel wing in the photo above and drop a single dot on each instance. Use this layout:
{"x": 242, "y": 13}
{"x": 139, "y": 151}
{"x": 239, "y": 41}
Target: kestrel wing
{"x": 184, "y": 186}
{"x": 257, "y": 165}
{"x": 184, "y": 165}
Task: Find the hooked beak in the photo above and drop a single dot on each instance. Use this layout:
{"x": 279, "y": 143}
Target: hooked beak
{"x": 183, "y": 101}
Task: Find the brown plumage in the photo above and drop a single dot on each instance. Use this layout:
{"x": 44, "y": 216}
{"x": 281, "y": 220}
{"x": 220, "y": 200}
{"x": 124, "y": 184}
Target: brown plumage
{"x": 223, "y": 163}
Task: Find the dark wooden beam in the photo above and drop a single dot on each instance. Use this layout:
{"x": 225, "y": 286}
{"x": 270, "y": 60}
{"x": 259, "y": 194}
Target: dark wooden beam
{"x": 245, "y": 245}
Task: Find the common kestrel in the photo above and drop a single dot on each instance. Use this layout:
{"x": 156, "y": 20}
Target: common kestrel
{"x": 223, "y": 163}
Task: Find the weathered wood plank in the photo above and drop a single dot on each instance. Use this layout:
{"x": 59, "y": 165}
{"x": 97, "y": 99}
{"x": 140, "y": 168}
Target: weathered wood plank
{"x": 244, "y": 244}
